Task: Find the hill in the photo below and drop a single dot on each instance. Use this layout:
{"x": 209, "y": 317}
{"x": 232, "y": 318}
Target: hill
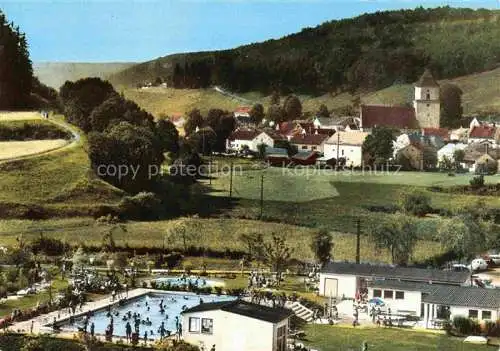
{"x": 54, "y": 74}
{"x": 366, "y": 53}
{"x": 481, "y": 94}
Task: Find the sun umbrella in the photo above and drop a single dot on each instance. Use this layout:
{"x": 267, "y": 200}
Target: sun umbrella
{"x": 376, "y": 301}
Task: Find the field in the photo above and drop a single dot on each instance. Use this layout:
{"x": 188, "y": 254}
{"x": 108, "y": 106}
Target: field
{"x": 328, "y": 338}
{"x": 18, "y": 116}
{"x": 214, "y": 234}
{"x": 481, "y": 93}
{"x": 170, "y": 101}
{"x": 15, "y": 149}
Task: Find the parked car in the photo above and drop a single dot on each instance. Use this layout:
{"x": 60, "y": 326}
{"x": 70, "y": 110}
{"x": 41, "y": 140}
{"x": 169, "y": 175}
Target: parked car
{"x": 495, "y": 259}
{"x": 460, "y": 268}
{"x": 478, "y": 264}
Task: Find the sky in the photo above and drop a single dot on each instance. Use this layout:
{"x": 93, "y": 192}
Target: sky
{"x": 141, "y": 30}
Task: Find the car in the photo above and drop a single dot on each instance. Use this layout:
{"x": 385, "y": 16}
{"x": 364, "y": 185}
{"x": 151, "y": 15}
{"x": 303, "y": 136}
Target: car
{"x": 460, "y": 268}
{"x": 478, "y": 264}
{"x": 495, "y": 258}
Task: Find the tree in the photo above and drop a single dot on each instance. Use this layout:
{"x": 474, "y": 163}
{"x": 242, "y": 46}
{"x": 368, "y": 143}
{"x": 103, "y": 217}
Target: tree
{"x": 167, "y": 135}
{"x": 276, "y": 114}
{"x": 451, "y": 105}
{"x": 398, "y": 236}
{"x": 378, "y": 147}
{"x": 275, "y": 98}
{"x": 194, "y": 119}
{"x": 415, "y": 202}
{"x": 322, "y": 245}
{"x": 254, "y": 245}
{"x": 429, "y": 157}
{"x": 458, "y": 158}
{"x": 463, "y": 235}
{"x": 277, "y": 255}
{"x": 292, "y": 108}
{"x": 79, "y": 258}
{"x": 323, "y": 111}
{"x": 257, "y": 113}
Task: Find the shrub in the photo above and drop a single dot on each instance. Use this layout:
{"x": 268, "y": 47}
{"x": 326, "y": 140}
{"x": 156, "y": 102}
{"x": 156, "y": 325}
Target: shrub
{"x": 466, "y": 326}
{"x": 477, "y": 182}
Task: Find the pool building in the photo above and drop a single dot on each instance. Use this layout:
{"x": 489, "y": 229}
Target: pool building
{"x": 236, "y": 325}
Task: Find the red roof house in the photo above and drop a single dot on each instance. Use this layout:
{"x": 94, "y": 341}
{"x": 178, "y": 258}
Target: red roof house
{"x": 388, "y": 116}
{"x": 443, "y": 133}
{"x": 482, "y": 132}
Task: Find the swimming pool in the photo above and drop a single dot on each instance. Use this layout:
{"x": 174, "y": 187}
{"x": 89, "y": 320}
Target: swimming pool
{"x": 199, "y": 282}
{"x": 148, "y": 306}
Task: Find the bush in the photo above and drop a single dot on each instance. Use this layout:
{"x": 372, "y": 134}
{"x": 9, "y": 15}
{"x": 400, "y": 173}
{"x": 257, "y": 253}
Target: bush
{"x": 477, "y": 182}
{"x": 49, "y": 246}
{"x": 143, "y": 206}
{"x": 466, "y": 326}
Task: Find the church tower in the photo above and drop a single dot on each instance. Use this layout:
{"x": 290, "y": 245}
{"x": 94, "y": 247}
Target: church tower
{"x": 426, "y": 104}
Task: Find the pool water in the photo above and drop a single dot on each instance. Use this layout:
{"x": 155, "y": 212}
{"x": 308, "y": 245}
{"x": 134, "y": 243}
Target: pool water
{"x": 199, "y": 282}
{"x": 172, "y": 304}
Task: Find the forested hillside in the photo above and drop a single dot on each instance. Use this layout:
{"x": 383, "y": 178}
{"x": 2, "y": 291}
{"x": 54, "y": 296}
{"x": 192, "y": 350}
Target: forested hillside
{"x": 368, "y": 52}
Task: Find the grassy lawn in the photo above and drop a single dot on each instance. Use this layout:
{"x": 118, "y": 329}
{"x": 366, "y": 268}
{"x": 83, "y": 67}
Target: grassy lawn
{"x": 335, "y": 338}
{"x": 216, "y": 234}
{"x": 31, "y": 301}
{"x": 61, "y": 178}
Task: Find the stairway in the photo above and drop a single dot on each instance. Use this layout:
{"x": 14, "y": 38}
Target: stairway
{"x": 302, "y": 311}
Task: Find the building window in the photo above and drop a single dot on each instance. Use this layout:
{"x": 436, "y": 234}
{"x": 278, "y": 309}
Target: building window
{"x": 377, "y": 293}
{"x": 314, "y": 148}
{"x": 194, "y": 325}
{"x": 428, "y": 105}
{"x": 473, "y": 314}
{"x": 400, "y": 295}
{"x": 281, "y": 338}
{"x": 207, "y": 326}
{"x": 388, "y": 294}
{"x": 428, "y": 95}
{"x": 486, "y": 315}
{"x": 342, "y": 152}
{"x": 304, "y": 147}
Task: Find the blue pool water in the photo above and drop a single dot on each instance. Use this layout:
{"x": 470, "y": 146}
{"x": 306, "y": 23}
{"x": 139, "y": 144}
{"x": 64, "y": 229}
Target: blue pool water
{"x": 199, "y": 282}
{"x": 172, "y": 304}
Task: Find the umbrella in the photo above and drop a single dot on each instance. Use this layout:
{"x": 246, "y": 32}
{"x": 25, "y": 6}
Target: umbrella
{"x": 376, "y": 301}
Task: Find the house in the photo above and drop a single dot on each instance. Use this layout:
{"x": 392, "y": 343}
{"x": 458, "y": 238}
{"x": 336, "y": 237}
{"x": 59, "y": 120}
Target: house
{"x": 346, "y": 279}
{"x": 276, "y": 156}
{"x": 309, "y": 142}
{"x": 242, "y": 111}
{"x": 461, "y": 134}
{"x": 336, "y": 123}
{"x": 449, "y": 150}
{"x": 346, "y": 145}
{"x": 241, "y": 138}
{"x": 473, "y": 152}
{"x": 438, "y": 133}
{"x": 483, "y": 133}
{"x": 236, "y": 325}
{"x": 325, "y": 123}
{"x": 436, "y": 301}
{"x": 305, "y": 158}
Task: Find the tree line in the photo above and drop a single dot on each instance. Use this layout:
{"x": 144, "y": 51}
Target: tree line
{"x": 370, "y": 51}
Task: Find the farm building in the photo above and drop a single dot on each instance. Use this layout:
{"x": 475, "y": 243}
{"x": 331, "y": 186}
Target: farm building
{"x": 305, "y": 158}
{"x": 339, "y": 279}
{"x": 276, "y": 156}
{"x": 433, "y": 302}
{"x": 483, "y": 133}
{"x": 347, "y": 146}
{"x": 309, "y": 142}
{"x": 236, "y": 325}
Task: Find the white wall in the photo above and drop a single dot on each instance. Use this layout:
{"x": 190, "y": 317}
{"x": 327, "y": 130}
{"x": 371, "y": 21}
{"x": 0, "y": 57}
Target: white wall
{"x": 464, "y": 311}
{"x": 421, "y": 93}
{"x": 347, "y": 284}
{"x": 352, "y": 153}
{"x": 411, "y": 302}
{"x": 232, "y": 332}
{"x": 237, "y": 144}
{"x": 262, "y": 138}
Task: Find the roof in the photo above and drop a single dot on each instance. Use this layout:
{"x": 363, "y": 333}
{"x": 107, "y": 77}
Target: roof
{"x": 446, "y": 294}
{"x": 286, "y": 128}
{"x": 276, "y": 151}
{"x": 391, "y": 272}
{"x": 244, "y": 134}
{"x": 243, "y": 308}
{"x": 309, "y": 139}
{"x": 305, "y": 155}
{"x": 348, "y": 138}
{"x": 273, "y": 135}
{"x": 243, "y": 109}
{"x": 443, "y": 133}
{"x": 483, "y": 132}
{"x": 326, "y": 121}
{"x": 388, "y": 116}
{"x": 427, "y": 80}
{"x": 476, "y": 150}
{"x": 451, "y": 147}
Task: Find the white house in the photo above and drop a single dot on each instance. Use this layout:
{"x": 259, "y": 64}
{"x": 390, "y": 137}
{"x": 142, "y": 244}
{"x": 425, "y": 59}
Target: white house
{"x": 347, "y": 145}
{"x": 448, "y": 151}
{"x": 483, "y": 133}
{"x": 436, "y": 301}
{"x": 236, "y": 325}
{"x": 241, "y": 137}
{"x": 343, "y": 279}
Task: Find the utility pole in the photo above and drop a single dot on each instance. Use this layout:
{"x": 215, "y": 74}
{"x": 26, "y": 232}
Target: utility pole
{"x": 261, "y": 194}
{"x": 338, "y": 146}
{"x": 231, "y": 181}
{"x": 358, "y": 234}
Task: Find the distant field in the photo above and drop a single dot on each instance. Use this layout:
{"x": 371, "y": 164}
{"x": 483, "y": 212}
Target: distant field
{"x": 168, "y": 101}
{"x": 14, "y": 149}
{"x": 18, "y": 116}
{"x": 215, "y": 234}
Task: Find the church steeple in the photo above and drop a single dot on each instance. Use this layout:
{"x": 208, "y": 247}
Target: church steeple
{"x": 426, "y": 103}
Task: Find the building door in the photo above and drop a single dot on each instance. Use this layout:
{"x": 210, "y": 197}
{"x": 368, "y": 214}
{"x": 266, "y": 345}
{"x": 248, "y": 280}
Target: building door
{"x": 331, "y": 287}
